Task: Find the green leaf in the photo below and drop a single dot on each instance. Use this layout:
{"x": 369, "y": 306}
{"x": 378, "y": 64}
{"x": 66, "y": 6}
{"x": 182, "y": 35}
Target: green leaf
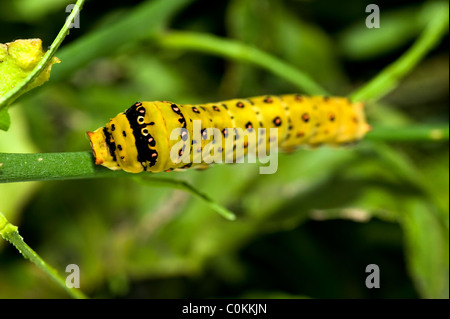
{"x": 427, "y": 245}
{"x": 5, "y": 120}
{"x": 23, "y": 66}
{"x": 18, "y": 60}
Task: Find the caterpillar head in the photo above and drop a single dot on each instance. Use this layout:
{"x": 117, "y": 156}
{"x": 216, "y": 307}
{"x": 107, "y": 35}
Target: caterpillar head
{"x": 100, "y": 148}
{"x": 126, "y": 142}
{"x": 111, "y": 145}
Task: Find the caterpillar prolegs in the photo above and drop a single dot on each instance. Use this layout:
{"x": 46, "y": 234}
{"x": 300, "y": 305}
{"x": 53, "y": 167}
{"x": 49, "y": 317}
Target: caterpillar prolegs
{"x": 163, "y": 136}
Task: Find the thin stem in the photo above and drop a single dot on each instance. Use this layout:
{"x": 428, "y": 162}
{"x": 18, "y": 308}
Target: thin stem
{"x": 63, "y": 166}
{"x": 51, "y": 166}
{"x": 388, "y": 78}
{"x": 238, "y": 51}
{"x": 79, "y": 165}
{"x": 11, "y": 95}
{"x": 10, "y": 233}
{"x": 180, "y": 184}
{"x": 409, "y": 133}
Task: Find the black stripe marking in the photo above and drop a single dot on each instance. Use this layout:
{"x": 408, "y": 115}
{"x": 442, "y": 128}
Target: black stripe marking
{"x": 177, "y": 110}
{"x": 142, "y": 145}
{"x": 111, "y": 145}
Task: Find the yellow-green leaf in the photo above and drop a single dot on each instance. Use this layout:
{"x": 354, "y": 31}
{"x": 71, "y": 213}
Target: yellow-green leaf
{"x": 17, "y": 61}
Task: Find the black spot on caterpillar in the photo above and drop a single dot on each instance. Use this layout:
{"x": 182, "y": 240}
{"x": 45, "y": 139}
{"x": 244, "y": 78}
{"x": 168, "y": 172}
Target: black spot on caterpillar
{"x": 143, "y": 131}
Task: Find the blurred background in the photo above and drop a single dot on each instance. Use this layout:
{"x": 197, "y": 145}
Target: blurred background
{"x": 308, "y": 231}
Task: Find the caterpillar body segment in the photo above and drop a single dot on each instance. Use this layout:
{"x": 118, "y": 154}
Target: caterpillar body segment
{"x": 164, "y": 136}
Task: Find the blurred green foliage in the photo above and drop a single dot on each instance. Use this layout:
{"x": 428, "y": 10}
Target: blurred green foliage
{"x": 309, "y": 230}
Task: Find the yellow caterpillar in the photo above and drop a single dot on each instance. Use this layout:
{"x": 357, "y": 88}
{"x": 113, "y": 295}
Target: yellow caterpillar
{"x": 139, "y": 139}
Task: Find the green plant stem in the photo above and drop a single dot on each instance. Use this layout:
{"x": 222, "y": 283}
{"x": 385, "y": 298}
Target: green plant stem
{"x": 388, "y": 78}
{"x": 78, "y": 165}
{"x": 11, "y": 95}
{"x": 238, "y": 51}
{"x": 180, "y": 184}
{"x": 10, "y": 233}
{"x": 63, "y": 166}
{"x": 409, "y": 134}
{"x": 51, "y": 166}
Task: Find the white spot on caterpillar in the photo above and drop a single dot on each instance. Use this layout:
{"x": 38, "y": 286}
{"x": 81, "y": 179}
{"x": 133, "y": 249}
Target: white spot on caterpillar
{"x": 40, "y": 159}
